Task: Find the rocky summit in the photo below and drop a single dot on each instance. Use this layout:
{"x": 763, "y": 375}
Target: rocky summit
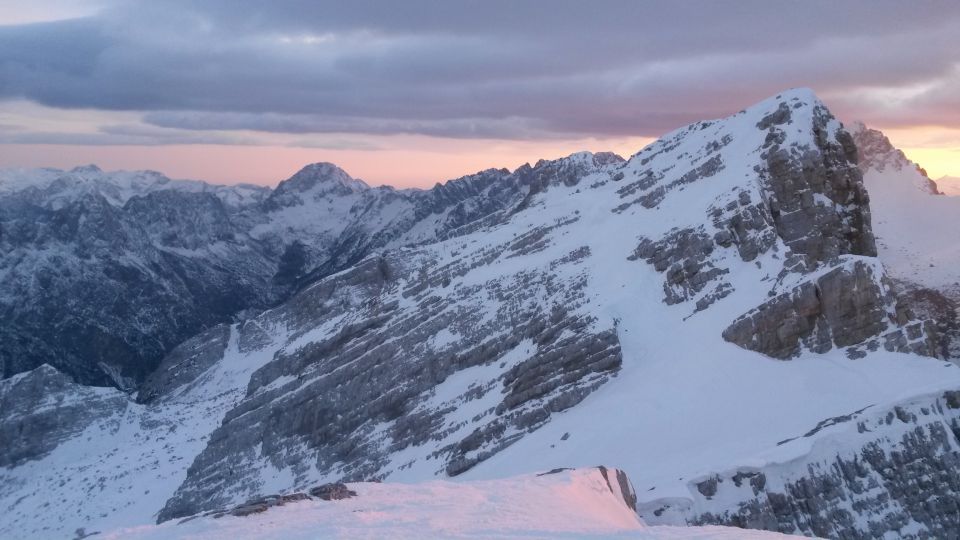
{"x": 732, "y": 317}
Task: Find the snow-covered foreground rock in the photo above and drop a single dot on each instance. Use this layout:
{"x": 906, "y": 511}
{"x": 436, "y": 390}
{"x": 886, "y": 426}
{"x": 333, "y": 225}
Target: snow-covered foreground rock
{"x": 710, "y": 316}
{"x": 584, "y": 503}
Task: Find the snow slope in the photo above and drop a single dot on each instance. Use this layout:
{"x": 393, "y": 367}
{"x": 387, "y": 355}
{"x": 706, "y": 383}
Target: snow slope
{"x": 565, "y": 504}
{"x": 916, "y": 229}
{"x": 949, "y": 185}
{"x": 122, "y": 467}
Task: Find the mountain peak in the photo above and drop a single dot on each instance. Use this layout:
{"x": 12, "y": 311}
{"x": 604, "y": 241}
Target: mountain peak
{"x": 323, "y": 173}
{"x": 314, "y": 181}
{"x": 86, "y": 169}
{"x": 875, "y": 151}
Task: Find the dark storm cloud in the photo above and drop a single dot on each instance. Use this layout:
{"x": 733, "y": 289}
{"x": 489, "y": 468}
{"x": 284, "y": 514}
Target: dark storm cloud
{"x": 480, "y": 69}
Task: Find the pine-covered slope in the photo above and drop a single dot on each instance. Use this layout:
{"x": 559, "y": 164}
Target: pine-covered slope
{"x": 715, "y": 303}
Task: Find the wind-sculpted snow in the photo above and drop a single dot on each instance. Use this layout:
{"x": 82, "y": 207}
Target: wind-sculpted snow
{"x": 572, "y": 312}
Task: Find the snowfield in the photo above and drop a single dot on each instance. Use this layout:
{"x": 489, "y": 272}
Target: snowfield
{"x": 567, "y": 504}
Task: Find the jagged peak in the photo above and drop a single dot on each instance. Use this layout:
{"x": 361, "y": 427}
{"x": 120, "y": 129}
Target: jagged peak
{"x": 783, "y": 108}
{"x": 582, "y": 158}
{"x": 321, "y": 173}
{"x": 875, "y": 151}
{"x": 86, "y": 169}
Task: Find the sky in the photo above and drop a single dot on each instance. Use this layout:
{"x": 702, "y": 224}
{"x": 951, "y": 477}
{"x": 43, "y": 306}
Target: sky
{"x": 412, "y": 93}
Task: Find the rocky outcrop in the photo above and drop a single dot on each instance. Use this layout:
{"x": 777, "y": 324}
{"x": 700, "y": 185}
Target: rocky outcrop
{"x": 42, "y": 408}
{"x": 684, "y": 256}
{"x": 186, "y": 362}
{"x": 815, "y": 192}
{"x": 879, "y": 473}
{"x": 849, "y": 305}
{"x": 940, "y": 309}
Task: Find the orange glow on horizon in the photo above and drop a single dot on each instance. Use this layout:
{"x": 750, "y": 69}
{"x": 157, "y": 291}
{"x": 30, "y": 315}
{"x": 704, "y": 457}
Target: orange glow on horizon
{"x": 936, "y": 149}
{"x": 400, "y": 161}
{"x": 408, "y": 162}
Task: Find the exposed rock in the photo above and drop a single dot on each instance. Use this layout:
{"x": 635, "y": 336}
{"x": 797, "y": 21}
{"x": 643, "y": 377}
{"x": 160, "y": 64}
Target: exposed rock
{"x": 620, "y": 485}
{"x": 332, "y": 492}
{"x": 816, "y": 196}
{"x": 42, "y": 408}
{"x": 684, "y": 256}
{"x": 886, "y": 473}
{"x": 185, "y": 363}
{"x": 940, "y": 310}
{"x": 845, "y": 306}
{"x": 341, "y": 405}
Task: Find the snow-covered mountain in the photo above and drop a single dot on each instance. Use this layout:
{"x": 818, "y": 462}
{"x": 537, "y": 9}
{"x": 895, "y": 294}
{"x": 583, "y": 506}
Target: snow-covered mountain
{"x": 949, "y": 185}
{"x": 102, "y": 274}
{"x": 710, "y": 316}
{"x": 915, "y": 227}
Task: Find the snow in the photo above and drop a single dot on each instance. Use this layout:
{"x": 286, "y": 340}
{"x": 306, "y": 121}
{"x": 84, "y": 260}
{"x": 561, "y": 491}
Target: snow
{"x": 685, "y": 403}
{"x": 122, "y": 469}
{"x": 116, "y": 186}
{"x": 949, "y": 185}
{"x": 916, "y": 231}
{"x": 567, "y": 504}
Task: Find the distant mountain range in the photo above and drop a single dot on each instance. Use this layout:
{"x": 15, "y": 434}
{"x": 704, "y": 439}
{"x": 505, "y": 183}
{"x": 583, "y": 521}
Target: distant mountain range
{"x": 753, "y": 318}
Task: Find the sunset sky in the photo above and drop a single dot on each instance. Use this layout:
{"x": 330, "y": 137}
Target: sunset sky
{"x": 411, "y": 93}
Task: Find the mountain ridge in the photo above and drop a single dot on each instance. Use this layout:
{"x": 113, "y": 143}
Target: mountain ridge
{"x": 647, "y": 313}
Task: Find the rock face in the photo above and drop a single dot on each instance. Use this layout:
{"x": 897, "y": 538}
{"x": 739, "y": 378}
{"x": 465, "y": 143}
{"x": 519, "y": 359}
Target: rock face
{"x": 815, "y": 192}
{"x": 848, "y": 305}
{"x": 877, "y": 473}
{"x": 42, "y": 408}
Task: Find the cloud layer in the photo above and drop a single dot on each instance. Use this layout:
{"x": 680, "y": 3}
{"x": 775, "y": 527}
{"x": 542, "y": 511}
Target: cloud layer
{"x": 198, "y": 71}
